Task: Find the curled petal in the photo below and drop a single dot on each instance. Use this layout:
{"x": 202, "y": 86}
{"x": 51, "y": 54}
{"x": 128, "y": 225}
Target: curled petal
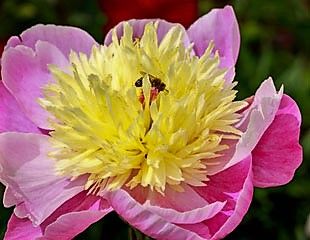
{"x": 278, "y": 153}
{"x": 138, "y": 29}
{"x": 254, "y": 122}
{"x": 66, "y": 222}
{"x": 146, "y": 221}
{"x": 220, "y": 26}
{"x": 28, "y": 173}
{"x": 260, "y": 115}
{"x": 25, "y": 72}
{"x": 12, "y": 117}
{"x": 63, "y": 38}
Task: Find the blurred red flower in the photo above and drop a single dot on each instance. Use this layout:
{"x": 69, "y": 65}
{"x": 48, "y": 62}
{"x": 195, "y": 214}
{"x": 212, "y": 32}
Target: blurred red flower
{"x": 2, "y": 44}
{"x": 181, "y": 11}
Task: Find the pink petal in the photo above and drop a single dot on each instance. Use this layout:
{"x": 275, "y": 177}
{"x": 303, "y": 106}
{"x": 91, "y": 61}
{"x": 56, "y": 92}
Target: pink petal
{"x": 180, "y": 201}
{"x": 182, "y": 207}
{"x": 146, "y": 221}
{"x": 221, "y": 26}
{"x": 243, "y": 201}
{"x": 11, "y": 116}
{"x": 73, "y": 217}
{"x": 261, "y": 114}
{"x": 256, "y": 119}
{"x": 176, "y": 207}
{"x": 29, "y": 176}
{"x": 234, "y": 185}
{"x": 187, "y": 217}
{"x": 278, "y": 153}
{"x": 25, "y": 72}
{"x": 138, "y": 29}
{"x": 21, "y": 229}
{"x": 62, "y": 37}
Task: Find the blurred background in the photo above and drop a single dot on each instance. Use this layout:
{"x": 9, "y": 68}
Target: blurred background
{"x": 275, "y": 41}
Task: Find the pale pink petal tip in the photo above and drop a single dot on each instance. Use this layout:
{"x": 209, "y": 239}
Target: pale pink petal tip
{"x": 138, "y": 26}
{"x": 255, "y": 119}
{"x": 64, "y": 38}
{"x": 220, "y": 26}
{"x": 26, "y": 58}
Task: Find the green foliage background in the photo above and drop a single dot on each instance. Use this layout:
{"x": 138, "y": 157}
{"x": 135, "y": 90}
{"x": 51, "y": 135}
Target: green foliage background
{"x": 275, "y": 41}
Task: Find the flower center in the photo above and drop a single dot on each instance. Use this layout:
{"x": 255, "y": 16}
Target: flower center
{"x": 140, "y": 113}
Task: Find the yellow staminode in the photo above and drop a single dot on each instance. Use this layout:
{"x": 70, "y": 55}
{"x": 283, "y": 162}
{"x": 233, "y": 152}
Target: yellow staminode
{"x": 104, "y": 131}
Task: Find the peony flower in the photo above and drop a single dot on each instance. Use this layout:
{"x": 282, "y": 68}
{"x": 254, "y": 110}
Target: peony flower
{"x": 146, "y": 125}
{"x": 184, "y": 12}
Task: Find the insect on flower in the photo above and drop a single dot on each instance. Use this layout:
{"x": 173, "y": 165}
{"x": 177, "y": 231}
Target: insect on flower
{"x": 157, "y": 86}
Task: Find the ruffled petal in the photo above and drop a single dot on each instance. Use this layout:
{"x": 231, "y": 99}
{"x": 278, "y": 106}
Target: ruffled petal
{"x": 254, "y": 122}
{"x": 25, "y": 72}
{"x": 257, "y": 119}
{"x": 62, "y": 37}
{"x": 146, "y": 221}
{"x": 278, "y": 153}
{"x": 65, "y": 223}
{"x": 234, "y": 185}
{"x": 220, "y": 26}
{"x": 12, "y": 117}
{"x": 138, "y": 29}
{"x": 29, "y": 176}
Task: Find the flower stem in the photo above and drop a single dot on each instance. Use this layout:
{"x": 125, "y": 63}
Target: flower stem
{"x": 134, "y": 234}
